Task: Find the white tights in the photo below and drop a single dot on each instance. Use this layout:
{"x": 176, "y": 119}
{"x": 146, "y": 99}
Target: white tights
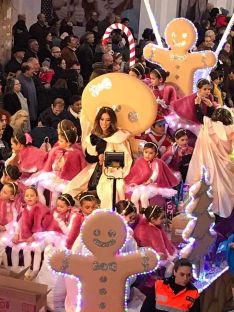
{"x": 141, "y": 197}
{"x": 27, "y": 257}
{"x": 53, "y": 199}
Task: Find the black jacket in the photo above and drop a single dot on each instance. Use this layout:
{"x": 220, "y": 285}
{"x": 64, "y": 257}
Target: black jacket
{"x": 7, "y": 135}
{"x": 149, "y": 303}
{"x": 29, "y": 54}
{"x": 56, "y": 118}
{"x": 40, "y": 133}
{"x": 86, "y": 57}
{"x": 199, "y": 112}
{"x": 21, "y": 34}
{"x": 38, "y": 32}
{"x": 12, "y": 66}
{"x": 11, "y": 103}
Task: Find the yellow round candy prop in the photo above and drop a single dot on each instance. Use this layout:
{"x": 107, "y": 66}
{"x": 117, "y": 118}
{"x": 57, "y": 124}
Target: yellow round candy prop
{"x": 133, "y": 102}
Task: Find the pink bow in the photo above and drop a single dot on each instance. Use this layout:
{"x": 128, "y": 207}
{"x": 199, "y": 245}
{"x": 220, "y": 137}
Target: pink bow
{"x": 28, "y": 138}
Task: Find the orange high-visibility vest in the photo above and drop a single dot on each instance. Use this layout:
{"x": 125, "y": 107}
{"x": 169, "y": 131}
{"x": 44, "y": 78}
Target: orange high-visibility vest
{"x": 166, "y": 300}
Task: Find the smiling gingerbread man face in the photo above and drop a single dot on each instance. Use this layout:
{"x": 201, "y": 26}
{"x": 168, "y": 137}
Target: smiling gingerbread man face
{"x": 180, "y": 34}
{"x": 99, "y": 238}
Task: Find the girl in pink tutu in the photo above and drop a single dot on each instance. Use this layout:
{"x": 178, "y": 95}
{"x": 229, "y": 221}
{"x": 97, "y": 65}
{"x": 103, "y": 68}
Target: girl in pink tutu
{"x": 64, "y": 162}
{"x": 188, "y": 111}
{"x": 149, "y": 232}
{"x": 11, "y": 174}
{"x": 60, "y": 221}
{"x": 179, "y": 154}
{"x": 193, "y": 107}
{"x": 28, "y": 158}
{"x": 29, "y": 225}
{"x": 88, "y": 203}
{"x": 8, "y": 216}
{"x": 165, "y": 94}
{"x": 149, "y": 177}
{"x": 61, "y": 216}
{"x": 8, "y": 209}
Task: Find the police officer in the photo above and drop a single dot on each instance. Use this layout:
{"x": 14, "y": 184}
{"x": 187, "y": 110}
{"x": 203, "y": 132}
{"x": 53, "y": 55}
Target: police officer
{"x": 175, "y": 294}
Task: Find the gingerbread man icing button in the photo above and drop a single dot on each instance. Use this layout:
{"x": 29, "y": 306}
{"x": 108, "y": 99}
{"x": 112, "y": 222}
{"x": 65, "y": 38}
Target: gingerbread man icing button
{"x": 181, "y": 36}
{"x": 103, "y": 274}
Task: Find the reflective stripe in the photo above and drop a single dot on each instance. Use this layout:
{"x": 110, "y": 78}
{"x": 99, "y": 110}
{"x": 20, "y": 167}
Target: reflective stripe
{"x": 162, "y": 307}
{"x": 161, "y": 298}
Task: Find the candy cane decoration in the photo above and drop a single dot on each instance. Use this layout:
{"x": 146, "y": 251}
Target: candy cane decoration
{"x": 128, "y": 33}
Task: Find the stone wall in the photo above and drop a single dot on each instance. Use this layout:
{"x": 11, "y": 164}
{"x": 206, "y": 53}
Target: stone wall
{"x": 5, "y": 30}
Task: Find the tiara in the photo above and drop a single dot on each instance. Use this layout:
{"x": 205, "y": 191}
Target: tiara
{"x": 152, "y": 143}
{"x": 87, "y": 195}
{"x": 125, "y": 209}
{"x": 66, "y": 199}
{"x": 180, "y": 130}
{"x": 135, "y": 69}
{"x": 158, "y": 72}
{"x": 14, "y": 187}
{"x": 6, "y": 171}
{"x": 155, "y": 209}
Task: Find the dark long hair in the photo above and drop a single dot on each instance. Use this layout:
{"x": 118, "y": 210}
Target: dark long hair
{"x": 223, "y": 115}
{"x": 10, "y": 86}
{"x": 152, "y": 212}
{"x": 113, "y": 122}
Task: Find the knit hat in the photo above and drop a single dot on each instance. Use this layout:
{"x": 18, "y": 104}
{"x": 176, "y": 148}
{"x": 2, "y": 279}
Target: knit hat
{"x": 46, "y": 62}
{"x": 224, "y": 11}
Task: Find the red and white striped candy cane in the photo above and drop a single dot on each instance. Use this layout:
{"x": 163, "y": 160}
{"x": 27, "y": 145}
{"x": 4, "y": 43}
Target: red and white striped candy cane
{"x": 128, "y": 33}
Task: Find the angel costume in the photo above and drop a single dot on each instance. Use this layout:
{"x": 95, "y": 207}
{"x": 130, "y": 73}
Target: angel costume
{"x": 95, "y": 146}
{"x": 212, "y": 149}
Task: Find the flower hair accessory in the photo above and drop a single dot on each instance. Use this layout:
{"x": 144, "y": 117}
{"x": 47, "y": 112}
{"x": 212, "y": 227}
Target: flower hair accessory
{"x": 28, "y": 138}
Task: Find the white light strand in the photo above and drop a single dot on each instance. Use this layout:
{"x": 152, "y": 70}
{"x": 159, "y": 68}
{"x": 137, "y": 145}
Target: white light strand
{"x": 225, "y": 35}
{"x": 153, "y": 23}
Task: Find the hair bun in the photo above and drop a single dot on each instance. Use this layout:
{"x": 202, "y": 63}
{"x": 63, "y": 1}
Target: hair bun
{"x": 142, "y": 210}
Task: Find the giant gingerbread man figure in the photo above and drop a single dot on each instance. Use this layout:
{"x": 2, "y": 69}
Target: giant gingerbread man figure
{"x": 180, "y": 36}
{"x": 104, "y": 273}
